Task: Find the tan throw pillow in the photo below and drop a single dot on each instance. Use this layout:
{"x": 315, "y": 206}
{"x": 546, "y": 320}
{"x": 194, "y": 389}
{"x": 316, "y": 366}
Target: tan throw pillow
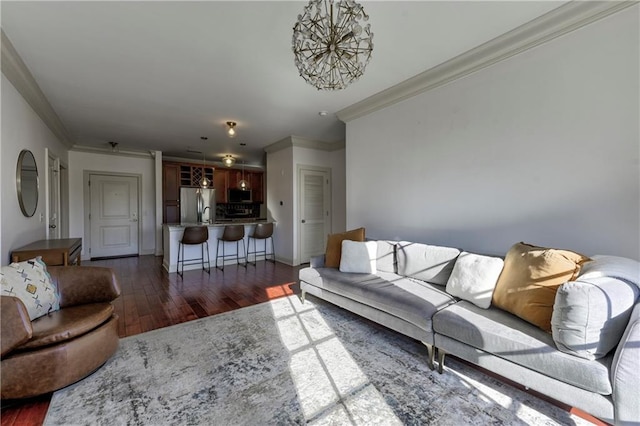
{"x": 530, "y": 278}
{"x": 334, "y": 246}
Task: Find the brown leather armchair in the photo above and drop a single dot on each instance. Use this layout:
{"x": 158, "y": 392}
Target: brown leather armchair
{"x": 60, "y": 348}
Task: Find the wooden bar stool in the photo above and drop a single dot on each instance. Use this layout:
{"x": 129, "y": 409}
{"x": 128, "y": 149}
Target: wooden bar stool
{"x": 231, "y": 233}
{"x": 194, "y": 235}
{"x": 262, "y": 231}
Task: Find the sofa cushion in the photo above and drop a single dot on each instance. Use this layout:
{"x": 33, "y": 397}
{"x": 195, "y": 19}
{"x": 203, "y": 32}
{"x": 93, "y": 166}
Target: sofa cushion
{"x": 413, "y": 300}
{"x": 506, "y": 336}
{"x": 424, "y": 262}
{"x": 333, "y": 252}
{"x": 67, "y": 324}
{"x": 590, "y": 315}
{"x": 30, "y": 282}
{"x": 612, "y": 266}
{"x": 358, "y": 257}
{"x": 386, "y": 256}
{"x": 530, "y": 278}
{"x": 474, "y": 278}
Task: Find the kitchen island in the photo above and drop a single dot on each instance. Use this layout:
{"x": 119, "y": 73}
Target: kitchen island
{"x": 172, "y": 233}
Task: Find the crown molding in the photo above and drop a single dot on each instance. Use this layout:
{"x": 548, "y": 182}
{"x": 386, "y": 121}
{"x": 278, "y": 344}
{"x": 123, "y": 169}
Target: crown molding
{"x": 16, "y": 71}
{"x": 300, "y": 142}
{"x": 118, "y": 152}
{"x": 562, "y": 20}
{"x": 215, "y": 164}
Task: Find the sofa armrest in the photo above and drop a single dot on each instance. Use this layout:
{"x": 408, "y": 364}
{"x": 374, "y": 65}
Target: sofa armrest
{"x": 16, "y": 324}
{"x": 625, "y": 373}
{"x": 84, "y": 284}
{"x": 317, "y": 261}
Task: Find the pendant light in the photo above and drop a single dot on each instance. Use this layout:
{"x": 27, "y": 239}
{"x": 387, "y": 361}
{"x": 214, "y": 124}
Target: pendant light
{"x": 243, "y": 184}
{"x": 204, "y": 182}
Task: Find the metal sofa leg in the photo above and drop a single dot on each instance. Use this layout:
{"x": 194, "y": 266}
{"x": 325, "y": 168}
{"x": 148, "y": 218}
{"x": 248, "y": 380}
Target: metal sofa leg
{"x": 441, "y": 355}
{"x": 430, "y": 352}
{"x": 302, "y": 296}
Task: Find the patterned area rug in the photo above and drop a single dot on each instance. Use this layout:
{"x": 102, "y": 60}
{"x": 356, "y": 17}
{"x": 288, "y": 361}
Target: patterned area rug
{"x": 283, "y": 362}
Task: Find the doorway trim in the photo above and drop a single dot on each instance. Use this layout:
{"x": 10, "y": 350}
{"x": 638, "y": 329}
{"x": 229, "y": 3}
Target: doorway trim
{"x": 52, "y": 193}
{"x": 86, "y": 192}
{"x": 64, "y": 200}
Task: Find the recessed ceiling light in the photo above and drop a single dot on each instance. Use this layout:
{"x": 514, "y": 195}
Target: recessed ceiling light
{"x": 323, "y": 113}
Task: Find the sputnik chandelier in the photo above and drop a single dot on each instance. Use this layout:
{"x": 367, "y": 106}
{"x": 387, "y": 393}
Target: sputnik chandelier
{"x": 330, "y": 45}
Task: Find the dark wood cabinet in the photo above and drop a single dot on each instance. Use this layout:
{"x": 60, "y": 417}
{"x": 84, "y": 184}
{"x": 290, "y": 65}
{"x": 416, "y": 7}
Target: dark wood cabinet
{"x": 235, "y": 176}
{"x": 170, "y": 193}
{"x": 221, "y": 183}
{"x": 175, "y": 175}
{"x": 256, "y": 183}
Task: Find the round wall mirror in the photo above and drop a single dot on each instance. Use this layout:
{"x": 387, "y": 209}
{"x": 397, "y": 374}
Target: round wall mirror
{"x": 27, "y": 182}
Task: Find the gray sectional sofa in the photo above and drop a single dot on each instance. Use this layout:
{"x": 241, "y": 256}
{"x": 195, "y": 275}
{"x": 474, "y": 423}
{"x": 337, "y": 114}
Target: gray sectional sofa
{"x": 408, "y": 294}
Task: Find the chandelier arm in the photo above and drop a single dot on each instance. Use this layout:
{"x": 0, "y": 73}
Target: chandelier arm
{"x": 346, "y": 17}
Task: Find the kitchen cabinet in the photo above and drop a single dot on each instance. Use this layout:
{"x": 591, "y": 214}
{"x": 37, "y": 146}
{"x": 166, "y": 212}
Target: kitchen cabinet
{"x": 221, "y": 183}
{"x": 256, "y": 183}
{"x": 175, "y": 175}
{"x": 170, "y": 193}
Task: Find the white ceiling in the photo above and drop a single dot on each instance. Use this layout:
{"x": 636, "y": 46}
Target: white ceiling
{"x": 159, "y": 75}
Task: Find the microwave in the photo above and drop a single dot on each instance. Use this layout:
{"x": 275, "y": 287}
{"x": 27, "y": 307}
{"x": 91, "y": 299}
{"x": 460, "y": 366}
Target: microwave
{"x": 239, "y": 195}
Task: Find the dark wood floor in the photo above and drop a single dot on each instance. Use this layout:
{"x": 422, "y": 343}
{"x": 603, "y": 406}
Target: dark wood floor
{"x": 151, "y": 298}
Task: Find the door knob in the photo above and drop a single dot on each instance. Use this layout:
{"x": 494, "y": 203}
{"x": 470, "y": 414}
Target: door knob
{"x": 52, "y": 226}
{"x": 304, "y": 221}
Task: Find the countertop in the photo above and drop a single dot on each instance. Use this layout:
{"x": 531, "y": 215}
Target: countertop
{"x": 220, "y": 222}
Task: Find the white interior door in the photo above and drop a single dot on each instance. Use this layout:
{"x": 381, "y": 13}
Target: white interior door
{"x": 315, "y": 212}
{"x": 53, "y": 188}
{"x": 113, "y": 215}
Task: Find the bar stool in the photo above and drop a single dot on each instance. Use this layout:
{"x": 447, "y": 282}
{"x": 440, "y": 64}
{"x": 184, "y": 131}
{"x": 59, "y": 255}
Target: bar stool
{"x": 231, "y": 233}
{"x": 262, "y": 231}
{"x": 194, "y": 235}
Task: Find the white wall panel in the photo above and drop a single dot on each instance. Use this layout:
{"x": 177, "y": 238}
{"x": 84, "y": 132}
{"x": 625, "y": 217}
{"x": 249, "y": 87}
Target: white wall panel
{"x": 543, "y": 148}
{"x": 22, "y": 129}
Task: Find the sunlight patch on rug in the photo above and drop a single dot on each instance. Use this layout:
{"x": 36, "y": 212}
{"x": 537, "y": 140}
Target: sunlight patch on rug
{"x": 330, "y": 385}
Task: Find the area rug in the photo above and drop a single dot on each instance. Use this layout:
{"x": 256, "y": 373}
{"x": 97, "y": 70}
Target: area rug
{"x": 283, "y": 362}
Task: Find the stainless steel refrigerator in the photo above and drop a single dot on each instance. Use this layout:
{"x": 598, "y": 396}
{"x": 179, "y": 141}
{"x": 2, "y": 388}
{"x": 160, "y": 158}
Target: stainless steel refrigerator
{"x": 197, "y": 205}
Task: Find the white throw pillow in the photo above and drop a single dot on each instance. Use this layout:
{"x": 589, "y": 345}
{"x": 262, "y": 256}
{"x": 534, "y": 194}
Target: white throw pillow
{"x": 358, "y": 257}
{"x": 30, "y": 282}
{"x": 474, "y": 278}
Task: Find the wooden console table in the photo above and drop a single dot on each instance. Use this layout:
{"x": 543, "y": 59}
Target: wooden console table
{"x": 64, "y": 251}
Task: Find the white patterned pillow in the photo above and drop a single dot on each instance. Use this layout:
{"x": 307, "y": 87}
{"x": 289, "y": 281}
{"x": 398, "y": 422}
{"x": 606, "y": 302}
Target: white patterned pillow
{"x": 30, "y": 282}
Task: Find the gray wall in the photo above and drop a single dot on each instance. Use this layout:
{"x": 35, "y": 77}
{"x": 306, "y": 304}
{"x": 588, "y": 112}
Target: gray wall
{"x": 542, "y": 148}
{"x": 22, "y": 129}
